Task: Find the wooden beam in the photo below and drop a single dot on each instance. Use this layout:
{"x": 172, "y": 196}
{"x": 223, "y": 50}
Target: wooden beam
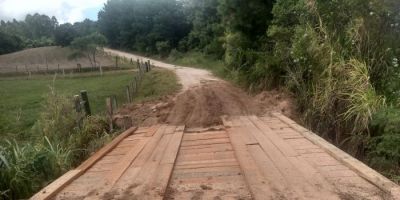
{"x": 360, "y": 168}
{"x": 51, "y": 190}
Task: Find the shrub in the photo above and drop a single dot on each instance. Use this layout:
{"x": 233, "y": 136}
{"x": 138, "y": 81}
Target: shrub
{"x": 58, "y": 143}
{"x": 163, "y": 48}
{"x": 383, "y": 150}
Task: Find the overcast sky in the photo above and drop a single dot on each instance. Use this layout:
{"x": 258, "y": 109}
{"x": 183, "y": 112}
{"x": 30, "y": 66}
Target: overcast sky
{"x": 63, "y": 10}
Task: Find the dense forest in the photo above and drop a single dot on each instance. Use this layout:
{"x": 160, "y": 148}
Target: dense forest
{"x": 339, "y": 58}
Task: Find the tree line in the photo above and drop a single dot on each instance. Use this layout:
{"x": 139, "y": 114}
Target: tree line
{"x": 40, "y": 30}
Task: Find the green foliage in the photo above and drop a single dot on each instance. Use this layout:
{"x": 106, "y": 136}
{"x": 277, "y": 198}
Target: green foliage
{"x": 64, "y": 34}
{"x": 89, "y": 46}
{"x": 163, "y": 48}
{"x": 383, "y": 147}
{"x": 9, "y": 43}
{"x": 58, "y": 143}
{"x": 140, "y": 25}
{"x": 34, "y": 31}
{"x": 207, "y": 31}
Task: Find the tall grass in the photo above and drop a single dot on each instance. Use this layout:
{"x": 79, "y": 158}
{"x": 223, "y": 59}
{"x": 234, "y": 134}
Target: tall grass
{"x": 57, "y": 144}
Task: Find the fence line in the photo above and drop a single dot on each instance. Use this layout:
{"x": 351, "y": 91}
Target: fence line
{"x": 132, "y": 88}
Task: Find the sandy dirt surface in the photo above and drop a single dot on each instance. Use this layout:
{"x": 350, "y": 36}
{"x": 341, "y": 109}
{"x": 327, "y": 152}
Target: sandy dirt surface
{"x": 203, "y": 100}
{"x": 188, "y": 76}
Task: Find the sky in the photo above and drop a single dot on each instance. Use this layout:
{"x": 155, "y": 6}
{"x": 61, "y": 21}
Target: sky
{"x": 64, "y": 10}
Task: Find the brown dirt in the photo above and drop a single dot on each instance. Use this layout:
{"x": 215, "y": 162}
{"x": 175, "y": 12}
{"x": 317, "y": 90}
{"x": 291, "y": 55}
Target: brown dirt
{"x": 203, "y": 100}
{"x": 203, "y": 106}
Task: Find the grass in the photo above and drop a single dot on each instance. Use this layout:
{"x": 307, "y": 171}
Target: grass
{"x": 22, "y": 99}
{"x": 198, "y": 60}
{"x": 157, "y": 83}
{"x": 56, "y": 143}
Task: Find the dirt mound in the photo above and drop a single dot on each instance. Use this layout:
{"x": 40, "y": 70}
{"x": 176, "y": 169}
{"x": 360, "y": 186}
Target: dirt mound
{"x": 203, "y": 106}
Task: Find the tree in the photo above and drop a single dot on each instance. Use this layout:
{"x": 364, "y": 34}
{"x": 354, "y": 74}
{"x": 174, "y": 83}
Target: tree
{"x": 40, "y": 26}
{"x": 207, "y": 29}
{"x": 141, "y": 24}
{"x": 9, "y": 43}
{"x": 89, "y": 46}
{"x": 64, "y": 34}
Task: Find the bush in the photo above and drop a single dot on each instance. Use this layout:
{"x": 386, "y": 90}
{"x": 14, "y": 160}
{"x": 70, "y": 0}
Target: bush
{"x": 163, "y": 48}
{"x": 383, "y": 148}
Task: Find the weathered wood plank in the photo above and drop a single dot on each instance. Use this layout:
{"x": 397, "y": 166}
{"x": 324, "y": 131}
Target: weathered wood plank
{"x": 360, "y": 168}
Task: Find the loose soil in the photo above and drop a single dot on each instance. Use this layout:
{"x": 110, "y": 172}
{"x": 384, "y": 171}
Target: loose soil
{"x": 203, "y": 100}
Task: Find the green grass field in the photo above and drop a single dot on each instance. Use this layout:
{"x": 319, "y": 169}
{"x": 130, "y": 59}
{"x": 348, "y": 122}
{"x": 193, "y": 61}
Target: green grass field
{"x": 22, "y": 100}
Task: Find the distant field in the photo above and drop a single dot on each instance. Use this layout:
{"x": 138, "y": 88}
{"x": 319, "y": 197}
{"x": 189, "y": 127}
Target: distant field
{"x": 46, "y": 57}
{"x": 22, "y": 100}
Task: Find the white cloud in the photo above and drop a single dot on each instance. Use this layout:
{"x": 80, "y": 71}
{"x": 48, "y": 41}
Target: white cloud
{"x": 63, "y": 10}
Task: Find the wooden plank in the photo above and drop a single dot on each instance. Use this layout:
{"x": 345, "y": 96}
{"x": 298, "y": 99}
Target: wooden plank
{"x": 56, "y": 186}
{"x": 152, "y": 130}
{"x": 207, "y": 156}
{"x": 149, "y": 171}
{"x": 258, "y": 184}
{"x": 164, "y": 171}
{"x": 205, "y": 136}
{"x": 150, "y": 147}
{"x": 281, "y": 187}
{"x": 52, "y": 189}
{"x": 215, "y": 148}
{"x": 103, "y": 151}
{"x": 126, "y": 161}
{"x": 283, "y": 146}
{"x": 360, "y": 168}
{"x": 206, "y": 165}
{"x": 213, "y": 161}
{"x": 202, "y": 142}
{"x": 173, "y": 148}
{"x": 290, "y": 171}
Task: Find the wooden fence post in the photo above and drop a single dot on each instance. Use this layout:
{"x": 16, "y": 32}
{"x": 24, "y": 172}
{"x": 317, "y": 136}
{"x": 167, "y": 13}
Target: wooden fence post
{"x": 128, "y": 94}
{"x": 116, "y": 62}
{"x": 136, "y": 84}
{"x": 86, "y": 104}
{"x": 77, "y": 103}
{"x": 110, "y": 112}
{"x": 114, "y": 102}
{"x": 78, "y": 109}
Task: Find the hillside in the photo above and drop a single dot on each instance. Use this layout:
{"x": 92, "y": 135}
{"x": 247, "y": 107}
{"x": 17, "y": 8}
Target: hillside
{"x": 39, "y": 58}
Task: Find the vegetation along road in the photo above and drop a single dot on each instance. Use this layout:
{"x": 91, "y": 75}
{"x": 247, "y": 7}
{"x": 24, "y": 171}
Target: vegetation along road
{"x": 211, "y": 117}
{"x": 215, "y": 146}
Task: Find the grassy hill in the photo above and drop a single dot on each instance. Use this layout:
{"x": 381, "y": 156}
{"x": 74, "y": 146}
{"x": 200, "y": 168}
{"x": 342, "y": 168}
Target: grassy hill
{"x": 44, "y": 58}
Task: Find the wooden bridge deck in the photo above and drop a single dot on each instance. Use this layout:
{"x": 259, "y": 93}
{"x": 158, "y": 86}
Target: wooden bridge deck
{"x": 249, "y": 158}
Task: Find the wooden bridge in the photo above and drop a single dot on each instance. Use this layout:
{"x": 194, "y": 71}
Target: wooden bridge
{"x": 249, "y": 157}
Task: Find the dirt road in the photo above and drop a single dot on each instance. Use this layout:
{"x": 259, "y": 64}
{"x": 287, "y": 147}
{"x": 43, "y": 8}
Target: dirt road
{"x": 204, "y": 99}
{"x": 188, "y": 77}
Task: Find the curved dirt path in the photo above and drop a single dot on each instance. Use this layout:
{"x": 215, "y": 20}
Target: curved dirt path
{"x": 188, "y": 76}
{"x": 203, "y": 99}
